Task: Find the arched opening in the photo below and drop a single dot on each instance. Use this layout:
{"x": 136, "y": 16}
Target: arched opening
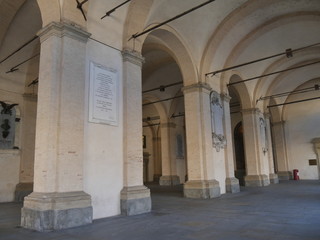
{"x": 240, "y": 169}
{"x": 19, "y": 70}
{"x": 163, "y": 117}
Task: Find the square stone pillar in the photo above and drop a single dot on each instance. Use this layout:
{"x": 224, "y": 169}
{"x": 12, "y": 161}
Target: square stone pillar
{"x": 232, "y": 183}
{"x": 169, "y": 166}
{"x": 157, "y": 159}
{"x": 272, "y": 175}
{"x": 281, "y": 151}
{"x": 25, "y": 186}
{"x": 201, "y": 173}
{"x": 135, "y": 197}
{"x": 58, "y": 200}
{"x": 256, "y": 163}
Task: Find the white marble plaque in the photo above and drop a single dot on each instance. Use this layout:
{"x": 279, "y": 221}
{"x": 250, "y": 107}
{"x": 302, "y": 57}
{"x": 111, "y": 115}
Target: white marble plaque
{"x": 103, "y": 102}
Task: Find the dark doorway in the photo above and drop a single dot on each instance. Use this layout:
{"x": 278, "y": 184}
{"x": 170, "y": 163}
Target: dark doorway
{"x": 240, "y": 171}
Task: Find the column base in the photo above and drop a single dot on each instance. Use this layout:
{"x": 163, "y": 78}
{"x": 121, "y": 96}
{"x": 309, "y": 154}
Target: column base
{"x": 201, "y": 189}
{"x": 22, "y": 190}
{"x": 284, "y": 175}
{"x": 156, "y": 178}
{"x": 55, "y": 211}
{"x": 135, "y": 200}
{"x": 232, "y": 185}
{"x": 169, "y": 180}
{"x": 273, "y": 178}
{"x": 256, "y": 180}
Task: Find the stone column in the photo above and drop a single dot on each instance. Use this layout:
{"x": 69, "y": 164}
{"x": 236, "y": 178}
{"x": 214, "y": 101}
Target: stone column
{"x": 257, "y": 175}
{"x": 169, "y": 168}
{"x": 58, "y": 200}
{"x": 232, "y": 183}
{"x": 157, "y": 159}
{"x": 281, "y": 151}
{"x": 201, "y": 182}
{"x": 135, "y": 197}
{"x": 272, "y": 175}
{"x": 25, "y": 186}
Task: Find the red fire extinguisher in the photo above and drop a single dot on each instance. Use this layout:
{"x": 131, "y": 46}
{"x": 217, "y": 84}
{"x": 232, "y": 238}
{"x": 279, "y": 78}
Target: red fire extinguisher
{"x": 296, "y": 174}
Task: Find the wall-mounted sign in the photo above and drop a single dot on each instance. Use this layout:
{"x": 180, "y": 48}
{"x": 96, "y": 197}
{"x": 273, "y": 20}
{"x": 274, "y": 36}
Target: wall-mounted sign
{"x": 103, "y": 99}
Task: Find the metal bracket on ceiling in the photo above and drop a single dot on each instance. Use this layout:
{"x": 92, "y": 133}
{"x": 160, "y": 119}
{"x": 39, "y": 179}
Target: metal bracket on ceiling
{"x": 79, "y": 6}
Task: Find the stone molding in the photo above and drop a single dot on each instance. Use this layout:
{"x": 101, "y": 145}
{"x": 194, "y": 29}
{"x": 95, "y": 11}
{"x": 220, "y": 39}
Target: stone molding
{"x": 204, "y": 87}
{"x": 63, "y": 29}
{"x": 278, "y": 123}
{"x": 133, "y": 57}
{"x": 168, "y": 125}
{"x": 225, "y": 97}
{"x": 57, "y": 201}
{"x": 251, "y": 111}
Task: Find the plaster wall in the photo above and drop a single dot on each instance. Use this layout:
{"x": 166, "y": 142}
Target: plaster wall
{"x": 103, "y": 161}
{"x": 301, "y": 126}
{"x": 9, "y": 175}
{"x": 150, "y": 150}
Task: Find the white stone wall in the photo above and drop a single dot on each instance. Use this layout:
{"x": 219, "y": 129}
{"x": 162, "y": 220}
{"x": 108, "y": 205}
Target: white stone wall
{"x": 103, "y": 153}
{"x": 9, "y": 173}
{"x": 301, "y": 126}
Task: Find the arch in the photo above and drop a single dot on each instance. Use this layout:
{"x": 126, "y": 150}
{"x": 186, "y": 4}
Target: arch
{"x": 8, "y": 15}
{"x": 50, "y": 11}
{"x": 247, "y": 18}
{"x": 135, "y": 22}
{"x": 171, "y": 42}
{"x": 241, "y": 91}
{"x": 158, "y": 106}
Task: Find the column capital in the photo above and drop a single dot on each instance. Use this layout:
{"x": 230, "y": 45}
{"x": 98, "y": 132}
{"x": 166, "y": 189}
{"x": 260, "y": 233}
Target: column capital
{"x": 133, "y": 57}
{"x": 168, "y": 125}
{"x": 251, "y": 110}
{"x": 278, "y": 123}
{"x": 225, "y": 97}
{"x": 197, "y": 87}
{"x": 62, "y": 29}
{"x": 267, "y": 115}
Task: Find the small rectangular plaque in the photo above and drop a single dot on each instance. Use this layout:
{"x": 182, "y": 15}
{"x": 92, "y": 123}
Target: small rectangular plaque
{"x": 103, "y": 102}
{"x": 312, "y": 162}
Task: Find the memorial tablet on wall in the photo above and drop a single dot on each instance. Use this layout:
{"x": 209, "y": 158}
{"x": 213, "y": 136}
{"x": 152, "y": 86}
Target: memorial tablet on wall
{"x": 103, "y": 102}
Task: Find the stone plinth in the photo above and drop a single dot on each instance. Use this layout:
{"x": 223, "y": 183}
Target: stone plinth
{"x": 202, "y": 189}
{"x": 232, "y": 185}
{"x": 256, "y": 180}
{"x": 55, "y": 211}
{"x": 169, "y": 180}
{"x": 135, "y": 200}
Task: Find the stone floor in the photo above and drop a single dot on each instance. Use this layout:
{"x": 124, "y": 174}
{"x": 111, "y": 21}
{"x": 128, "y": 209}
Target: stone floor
{"x": 289, "y": 210}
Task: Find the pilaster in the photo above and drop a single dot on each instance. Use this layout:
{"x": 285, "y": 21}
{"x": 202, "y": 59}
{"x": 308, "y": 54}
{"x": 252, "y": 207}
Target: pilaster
{"x": 232, "y": 183}
{"x": 58, "y": 200}
{"x": 169, "y": 168}
{"x": 201, "y": 172}
{"x": 280, "y": 150}
{"x": 254, "y": 135}
{"x": 135, "y": 198}
{"x": 272, "y": 175}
